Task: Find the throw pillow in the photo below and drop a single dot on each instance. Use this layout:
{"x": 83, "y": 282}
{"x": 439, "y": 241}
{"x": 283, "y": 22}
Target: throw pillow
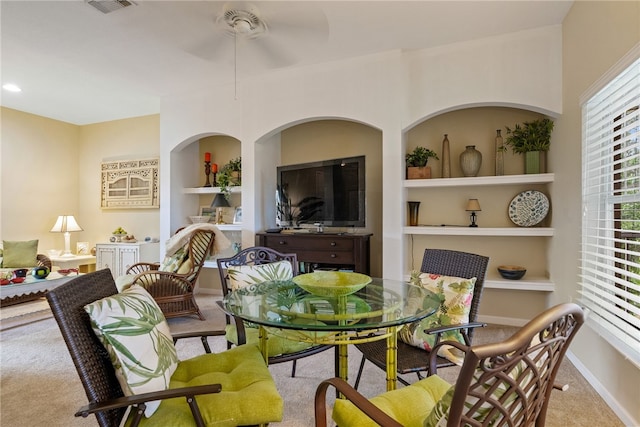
{"x": 134, "y": 331}
{"x": 454, "y": 295}
{"x": 245, "y": 275}
{"x": 172, "y": 263}
{"x": 20, "y": 254}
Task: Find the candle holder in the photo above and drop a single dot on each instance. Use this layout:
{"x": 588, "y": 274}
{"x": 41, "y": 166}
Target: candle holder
{"x": 207, "y": 173}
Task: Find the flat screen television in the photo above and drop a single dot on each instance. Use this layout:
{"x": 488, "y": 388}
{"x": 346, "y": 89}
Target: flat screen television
{"x": 329, "y": 192}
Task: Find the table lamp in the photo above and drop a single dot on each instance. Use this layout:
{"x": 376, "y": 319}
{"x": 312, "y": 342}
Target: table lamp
{"x": 65, "y": 224}
{"x": 473, "y": 206}
{"x": 219, "y": 202}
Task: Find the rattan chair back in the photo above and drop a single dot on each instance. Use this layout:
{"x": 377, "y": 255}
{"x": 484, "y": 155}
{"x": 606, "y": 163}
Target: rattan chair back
{"x": 89, "y": 356}
{"x": 411, "y": 359}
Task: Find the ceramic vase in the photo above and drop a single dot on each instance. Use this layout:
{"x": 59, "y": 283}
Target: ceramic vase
{"x": 470, "y": 161}
{"x": 414, "y": 209}
{"x": 446, "y": 159}
{"x": 499, "y": 154}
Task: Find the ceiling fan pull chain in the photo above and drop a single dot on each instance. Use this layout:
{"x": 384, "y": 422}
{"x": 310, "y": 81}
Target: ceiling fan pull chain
{"x": 235, "y": 65}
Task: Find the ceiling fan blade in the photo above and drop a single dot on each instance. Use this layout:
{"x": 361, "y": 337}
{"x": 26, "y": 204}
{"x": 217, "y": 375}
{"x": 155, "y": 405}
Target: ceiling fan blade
{"x": 272, "y": 53}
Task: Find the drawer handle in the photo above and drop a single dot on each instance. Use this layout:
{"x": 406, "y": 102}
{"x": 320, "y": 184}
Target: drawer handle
{"x": 334, "y": 256}
{"x": 333, "y": 243}
{"x": 282, "y": 242}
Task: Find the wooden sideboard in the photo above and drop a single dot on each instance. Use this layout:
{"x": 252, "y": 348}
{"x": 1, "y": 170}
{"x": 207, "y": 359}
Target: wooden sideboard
{"x": 321, "y": 250}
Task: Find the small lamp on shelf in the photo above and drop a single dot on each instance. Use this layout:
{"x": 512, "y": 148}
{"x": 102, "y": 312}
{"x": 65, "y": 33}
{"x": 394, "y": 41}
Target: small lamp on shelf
{"x": 473, "y": 206}
{"x": 219, "y": 202}
{"x": 65, "y": 224}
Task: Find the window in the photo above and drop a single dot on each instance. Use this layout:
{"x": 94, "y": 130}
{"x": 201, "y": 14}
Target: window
{"x": 610, "y": 267}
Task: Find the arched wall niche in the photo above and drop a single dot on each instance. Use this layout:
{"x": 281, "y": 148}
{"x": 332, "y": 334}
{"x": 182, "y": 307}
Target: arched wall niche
{"x": 313, "y": 139}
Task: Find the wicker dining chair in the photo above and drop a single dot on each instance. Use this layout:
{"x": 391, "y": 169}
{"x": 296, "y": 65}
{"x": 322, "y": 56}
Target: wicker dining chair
{"x": 508, "y": 383}
{"x": 174, "y": 291}
{"x": 412, "y": 359}
{"x": 245, "y": 375}
{"x": 259, "y": 255}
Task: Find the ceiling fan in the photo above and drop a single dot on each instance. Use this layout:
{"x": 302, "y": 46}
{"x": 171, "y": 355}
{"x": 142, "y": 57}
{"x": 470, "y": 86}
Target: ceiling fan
{"x": 272, "y": 36}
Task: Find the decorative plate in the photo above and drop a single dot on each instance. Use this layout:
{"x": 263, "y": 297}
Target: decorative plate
{"x": 528, "y": 208}
{"x": 332, "y": 283}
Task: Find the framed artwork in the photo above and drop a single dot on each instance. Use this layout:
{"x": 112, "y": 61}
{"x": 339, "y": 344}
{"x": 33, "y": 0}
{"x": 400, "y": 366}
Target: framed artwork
{"x": 237, "y": 216}
{"x": 82, "y": 248}
{"x": 207, "y": 211}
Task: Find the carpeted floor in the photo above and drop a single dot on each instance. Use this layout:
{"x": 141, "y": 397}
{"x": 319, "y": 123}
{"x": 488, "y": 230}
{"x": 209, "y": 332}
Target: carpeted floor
{"x": 39, "y": 385}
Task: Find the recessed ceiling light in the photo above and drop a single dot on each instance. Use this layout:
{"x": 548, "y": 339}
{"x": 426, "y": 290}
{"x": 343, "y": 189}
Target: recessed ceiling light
{"x": 12, "y": 87}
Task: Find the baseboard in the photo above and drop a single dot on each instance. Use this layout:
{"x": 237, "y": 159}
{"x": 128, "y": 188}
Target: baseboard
{"x": 620, "y": 412}
{"x": 507, "y": 321}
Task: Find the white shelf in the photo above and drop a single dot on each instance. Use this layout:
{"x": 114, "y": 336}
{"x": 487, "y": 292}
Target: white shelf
{"x": 229, "y": 227}
{"x": 210, "y": 190}
{"x": 479, "y": 231}
{"x": 541, "y": 285}
{"x": 541, "y": 178}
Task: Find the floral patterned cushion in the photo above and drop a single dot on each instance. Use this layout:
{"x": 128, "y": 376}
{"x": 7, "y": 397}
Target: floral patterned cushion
{"x": 134, "y": 331}
{"x": 454, "y": 295}
{"x": 245, "y": 275}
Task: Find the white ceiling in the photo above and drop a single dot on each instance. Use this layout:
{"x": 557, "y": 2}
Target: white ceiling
{"x": 78, "y": 65}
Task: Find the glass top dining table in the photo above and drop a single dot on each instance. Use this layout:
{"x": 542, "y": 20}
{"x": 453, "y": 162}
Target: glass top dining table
{"x": 374, "y": 312}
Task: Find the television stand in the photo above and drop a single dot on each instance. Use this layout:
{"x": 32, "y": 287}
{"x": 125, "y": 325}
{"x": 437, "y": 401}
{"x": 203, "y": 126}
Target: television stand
{"x": 339, "y": 250}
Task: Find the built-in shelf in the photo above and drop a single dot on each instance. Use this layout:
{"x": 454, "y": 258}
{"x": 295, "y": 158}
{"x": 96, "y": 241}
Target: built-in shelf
{"x": 540, "y": 178}
{"x": 209, "y": 190}
{"x": 541, "y": 285}
{"x": 479, "y": 231}
{"x": 229, "y": 227}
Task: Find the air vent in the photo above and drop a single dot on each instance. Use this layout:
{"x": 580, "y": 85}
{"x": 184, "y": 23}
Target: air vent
{"x": 108, "y": 6}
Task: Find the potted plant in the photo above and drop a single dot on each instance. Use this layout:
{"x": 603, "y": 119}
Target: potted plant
{"x": 417, "y": 163}
{"x": 229, "y": 175}
{"x": 533, "y": 139}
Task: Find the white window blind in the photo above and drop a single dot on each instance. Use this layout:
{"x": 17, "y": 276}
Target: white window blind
{"x": 610, "y": 265}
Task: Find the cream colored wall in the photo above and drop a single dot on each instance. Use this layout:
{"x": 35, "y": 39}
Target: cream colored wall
{"x": 330, "y": 139}
{"x": 595, "y": 36}
{"x": 50, "y": 168}
{"x": 115, "y": 140}
{"x": 40, "y": 169}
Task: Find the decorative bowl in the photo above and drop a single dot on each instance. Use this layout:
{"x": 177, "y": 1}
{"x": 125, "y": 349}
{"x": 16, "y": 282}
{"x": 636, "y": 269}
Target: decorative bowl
{"x": 200, "y": 218}
{"x": 512, "y": 272}
{"x": 17, "y": 280}
{"x": 332, "y": 283}
{"x": 54, "y": 252}
{"x": 4, "y": 282}
{"x": 66, "y": 272}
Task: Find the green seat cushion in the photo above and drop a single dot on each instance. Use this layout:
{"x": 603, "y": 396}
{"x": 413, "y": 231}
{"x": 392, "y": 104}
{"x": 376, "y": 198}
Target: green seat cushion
{"x": 453, "y": 296}
{"x": 248, "y": 397}
{"x": 20, "y": 254}
{"x": 408, "y": 405}
{"x": 278, "y": 343}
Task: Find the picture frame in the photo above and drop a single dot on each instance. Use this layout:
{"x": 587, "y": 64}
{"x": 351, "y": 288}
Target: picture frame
{"x": 237, "y": 216}
{"x": 82, "y": 248}
{"x": 207, "y": 211}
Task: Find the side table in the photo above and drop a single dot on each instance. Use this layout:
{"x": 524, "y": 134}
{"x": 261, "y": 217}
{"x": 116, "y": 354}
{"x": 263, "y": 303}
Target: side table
{"x": 85, "y": 263}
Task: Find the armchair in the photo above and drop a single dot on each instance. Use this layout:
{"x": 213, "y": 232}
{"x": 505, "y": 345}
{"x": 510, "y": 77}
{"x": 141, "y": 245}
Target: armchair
{"x": 413, "y": 359}
{"x": 238, "y": 388}
{"x": 500, "y": 384}
{"x": 245, "y": 268}
{"x": 172, "y": 283}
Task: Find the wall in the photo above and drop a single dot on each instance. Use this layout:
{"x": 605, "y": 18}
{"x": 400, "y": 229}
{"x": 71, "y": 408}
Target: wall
{"x": 595, "y": 36}
{"x": 39, "y": 170}
{"x": 51, "y": 168}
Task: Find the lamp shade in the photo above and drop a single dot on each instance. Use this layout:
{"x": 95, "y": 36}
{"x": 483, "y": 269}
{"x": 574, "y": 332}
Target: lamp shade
{"x": 66, "y": 223}
{"x": 473, "y": 205}
{"x": 220, "y": 201}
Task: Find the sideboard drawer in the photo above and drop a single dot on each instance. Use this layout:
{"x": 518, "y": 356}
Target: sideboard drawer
{"x": 312, "y": 242}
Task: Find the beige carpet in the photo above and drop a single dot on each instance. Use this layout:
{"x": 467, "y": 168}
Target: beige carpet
{"x": 39, "y": 385}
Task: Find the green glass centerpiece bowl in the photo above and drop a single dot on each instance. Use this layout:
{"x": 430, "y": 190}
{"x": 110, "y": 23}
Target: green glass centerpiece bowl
{"x": 332, "y": 283}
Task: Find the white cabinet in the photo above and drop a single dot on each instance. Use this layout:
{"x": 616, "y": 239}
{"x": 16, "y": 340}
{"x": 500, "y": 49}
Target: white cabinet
{"x": 120, "y": 256}
{"x": 514, "y": 233}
